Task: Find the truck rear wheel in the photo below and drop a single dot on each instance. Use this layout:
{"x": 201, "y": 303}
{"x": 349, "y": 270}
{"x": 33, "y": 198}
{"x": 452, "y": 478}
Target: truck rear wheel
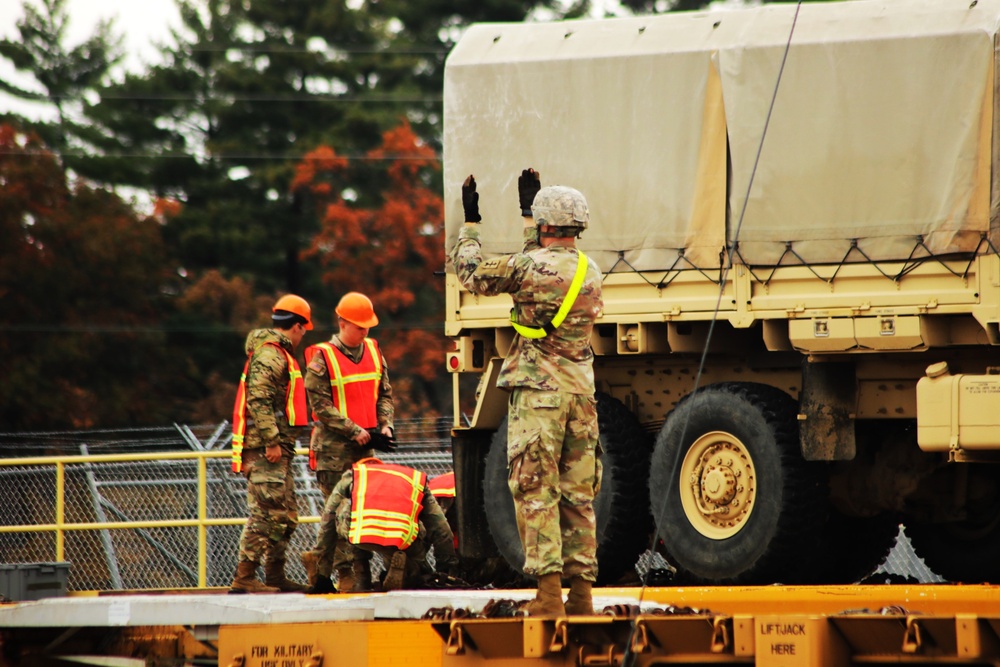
{"x": 624, "y": 524}
{"x": 962, "y": 551}
{"x": 733, "y": 499}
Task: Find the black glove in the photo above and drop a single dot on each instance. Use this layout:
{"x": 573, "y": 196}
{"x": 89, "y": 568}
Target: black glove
{"x": 442, "y": 580}
{"x": 470, "y": 200}
{"x": 528, "y": 185}
{"x": 380, "y": 441}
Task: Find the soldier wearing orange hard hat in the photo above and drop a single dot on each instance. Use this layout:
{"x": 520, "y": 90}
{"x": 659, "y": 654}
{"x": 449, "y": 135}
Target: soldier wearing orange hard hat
{"x": 347, "y": 384}
{"x": 270, "y": 407}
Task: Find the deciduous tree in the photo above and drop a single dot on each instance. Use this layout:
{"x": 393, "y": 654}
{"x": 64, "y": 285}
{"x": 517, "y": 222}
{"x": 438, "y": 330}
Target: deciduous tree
{"x": 80, "y": 282}
{"x": 388, "y": 248}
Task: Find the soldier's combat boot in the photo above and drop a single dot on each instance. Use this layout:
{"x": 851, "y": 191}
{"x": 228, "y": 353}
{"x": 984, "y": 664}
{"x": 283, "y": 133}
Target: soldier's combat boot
{"x": 322, "y": 585}
{"x": 310, "y": 561}
{"x": 274, "y": 575}
{"x": 362, "y": 569}
{"x": 345, "y": 580}
{"x": 246, "y": 580}
{"x": 548, "y": 599}
{"x": 579, "y": 602}
{"x": 396, "y": 573}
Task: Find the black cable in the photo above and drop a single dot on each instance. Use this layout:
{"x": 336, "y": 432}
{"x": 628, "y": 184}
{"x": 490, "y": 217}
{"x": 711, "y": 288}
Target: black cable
{"x": 731, "y": 251}
{"x": 225, "y": 156}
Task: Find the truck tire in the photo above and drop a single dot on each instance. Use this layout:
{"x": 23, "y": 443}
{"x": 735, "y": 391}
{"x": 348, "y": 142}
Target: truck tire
{"x": 624, "y": 524}
{"x": 733, "y": 499}
{"x": 965, "y": 552}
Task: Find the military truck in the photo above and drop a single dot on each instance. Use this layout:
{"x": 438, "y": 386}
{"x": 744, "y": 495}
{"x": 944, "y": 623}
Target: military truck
{"x": 795, "y": 208}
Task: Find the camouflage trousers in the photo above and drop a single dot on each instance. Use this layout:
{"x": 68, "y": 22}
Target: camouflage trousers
{"x": 273, "y": 510}
{"x": 334, "y": 551}
{"x": 417, "y": 565}
{"x": 554, "y": 474}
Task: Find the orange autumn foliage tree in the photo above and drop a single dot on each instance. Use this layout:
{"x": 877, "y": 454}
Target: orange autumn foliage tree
{"x": 387, "y": 242}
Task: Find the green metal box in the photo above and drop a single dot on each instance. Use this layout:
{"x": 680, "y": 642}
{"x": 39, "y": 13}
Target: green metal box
{"x": 33, "y": 581}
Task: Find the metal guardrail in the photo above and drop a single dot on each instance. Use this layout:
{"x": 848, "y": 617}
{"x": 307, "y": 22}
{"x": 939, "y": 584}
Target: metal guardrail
{"x": 90, "y": 466}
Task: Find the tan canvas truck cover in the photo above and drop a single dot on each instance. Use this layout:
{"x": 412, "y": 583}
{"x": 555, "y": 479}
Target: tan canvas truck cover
{"x": 881, "y": 132}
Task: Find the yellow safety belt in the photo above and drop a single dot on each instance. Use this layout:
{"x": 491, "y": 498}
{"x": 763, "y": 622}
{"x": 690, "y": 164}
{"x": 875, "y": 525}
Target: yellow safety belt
{"x": 567, "y": 305}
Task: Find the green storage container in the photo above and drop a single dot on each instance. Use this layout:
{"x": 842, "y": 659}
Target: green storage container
{"x": 33, "y": 581}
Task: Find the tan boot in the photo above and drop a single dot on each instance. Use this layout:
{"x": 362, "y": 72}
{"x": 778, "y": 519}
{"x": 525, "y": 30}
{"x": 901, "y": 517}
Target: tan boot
{"x": 274, "y": 575}
{"x": 548, "y": 599}
{"x": 396, "y": 573}
{"x": 310, "y": 561}
{"x": 362, "y": 570}
{"x": 579, "y": 602}
{"x": 345, "y": 580}
{"x": 246, "y": 580}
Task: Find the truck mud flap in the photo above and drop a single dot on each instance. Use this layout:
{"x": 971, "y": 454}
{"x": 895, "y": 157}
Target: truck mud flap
{"x": 826, "y": 412}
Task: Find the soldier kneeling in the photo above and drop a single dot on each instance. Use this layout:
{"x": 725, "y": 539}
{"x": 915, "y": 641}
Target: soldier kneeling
{"x": 387, "y": 509}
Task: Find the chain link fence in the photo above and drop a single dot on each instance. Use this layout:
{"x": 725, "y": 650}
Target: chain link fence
{"x": 126, "y": 509}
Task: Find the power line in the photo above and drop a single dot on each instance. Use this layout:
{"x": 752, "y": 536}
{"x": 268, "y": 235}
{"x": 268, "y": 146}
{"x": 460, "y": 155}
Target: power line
{"x": 229, "y": 98}
{"x": 229, "y": 157}
{"x": 122, "y": 329}
{"x": 359, "y": 50}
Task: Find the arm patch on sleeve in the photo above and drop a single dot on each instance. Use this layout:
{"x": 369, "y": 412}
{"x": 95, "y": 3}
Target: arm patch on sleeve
{"x": 497, "y": 267}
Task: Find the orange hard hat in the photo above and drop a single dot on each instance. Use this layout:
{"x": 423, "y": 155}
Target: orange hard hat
{"x": 291, "y": 303}
{"x": 357, "y": 309}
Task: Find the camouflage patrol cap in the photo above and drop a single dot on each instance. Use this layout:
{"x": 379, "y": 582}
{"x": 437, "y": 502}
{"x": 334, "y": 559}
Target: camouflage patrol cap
{"x": 560, "y": 206}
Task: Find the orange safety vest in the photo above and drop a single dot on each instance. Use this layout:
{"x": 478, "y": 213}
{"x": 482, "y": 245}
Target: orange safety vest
{"x": 443, "y": 486}
{"x": 354, "y": 385}
{"x": 295, "y": 404}
{"x": 385, "y": 504}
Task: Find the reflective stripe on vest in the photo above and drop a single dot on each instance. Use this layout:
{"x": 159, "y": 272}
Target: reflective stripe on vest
{"x": 354, "y": 386}
{"x": 443, "y": 486}
{"x": 295, "y": 403}
{"x": 385, "y": 504}
{"x": 564, "y": 308}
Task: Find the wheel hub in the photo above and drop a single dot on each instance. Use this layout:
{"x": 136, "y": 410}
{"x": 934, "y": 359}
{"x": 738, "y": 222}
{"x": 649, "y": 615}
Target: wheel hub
{"x": 718, "y": 486}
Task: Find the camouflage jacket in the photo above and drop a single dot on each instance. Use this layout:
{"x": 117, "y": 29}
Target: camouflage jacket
{"x": 537, "y": 279}
{"x": 267, "y": 387}
{"x": 432, "y": 519}
{"x": 333, "y": 433}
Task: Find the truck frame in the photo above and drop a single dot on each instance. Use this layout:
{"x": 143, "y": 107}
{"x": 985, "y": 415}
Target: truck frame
{"x": 796, "y": 209}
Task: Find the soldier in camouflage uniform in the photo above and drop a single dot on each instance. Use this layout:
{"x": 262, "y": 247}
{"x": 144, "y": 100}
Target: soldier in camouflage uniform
{"x": 270, "y": 409}
{"x": 552, "y": 420}
{"x": 404, "y": 567}
{"x": 338, "y": 439}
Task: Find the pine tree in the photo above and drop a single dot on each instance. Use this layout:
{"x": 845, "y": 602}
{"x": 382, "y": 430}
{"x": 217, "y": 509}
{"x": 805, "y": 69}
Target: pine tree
{"x": 62, "y": 74}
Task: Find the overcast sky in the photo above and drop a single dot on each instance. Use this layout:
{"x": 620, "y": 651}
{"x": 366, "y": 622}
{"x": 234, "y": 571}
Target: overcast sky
{"x": 140, "y": 22}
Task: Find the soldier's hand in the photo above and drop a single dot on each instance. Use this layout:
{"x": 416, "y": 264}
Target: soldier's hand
{"x": 470, "y": 200}
{"x": 272, "y": 453}
{"x": 363, "y": 438}
{"x": 382, "y": 441}
{"x": 528, "y": 185}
